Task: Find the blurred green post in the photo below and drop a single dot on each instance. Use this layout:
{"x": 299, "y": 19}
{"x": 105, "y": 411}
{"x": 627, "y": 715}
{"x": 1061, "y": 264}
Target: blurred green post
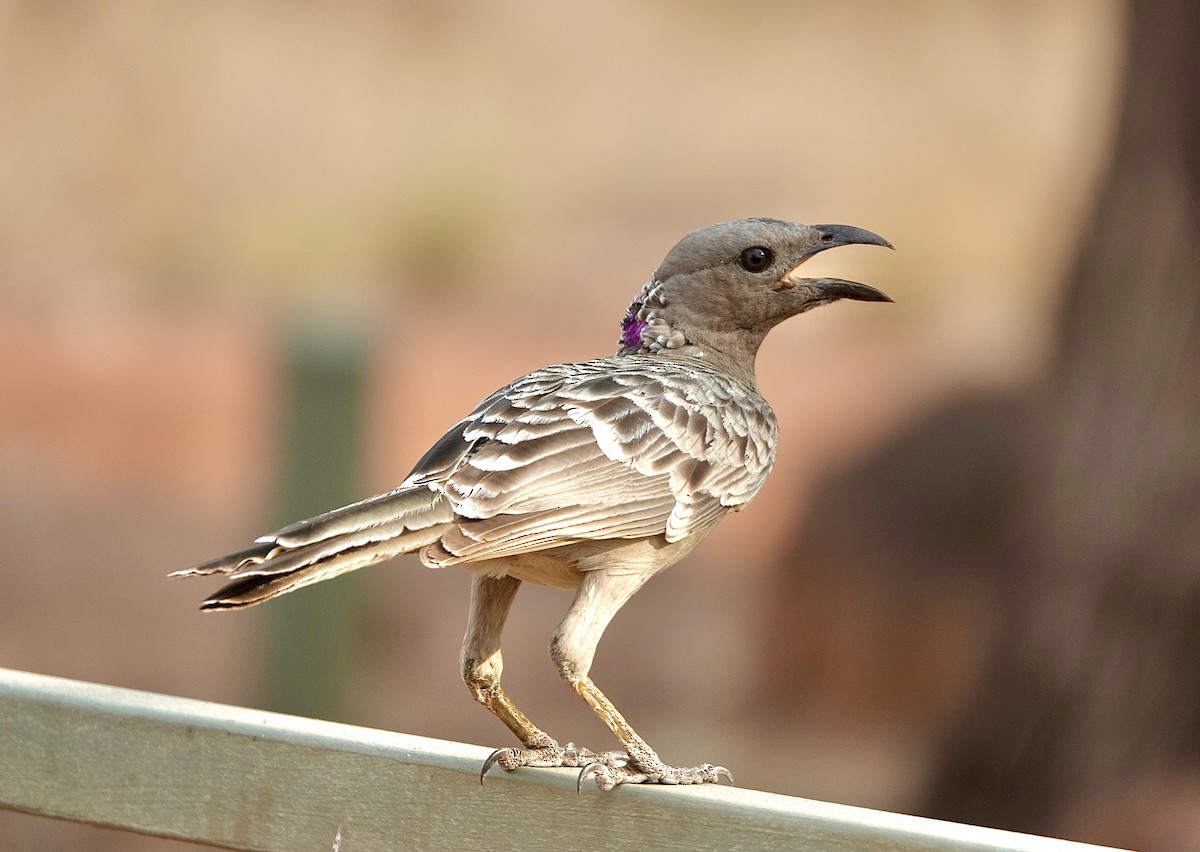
{"x": 314, "y": 632}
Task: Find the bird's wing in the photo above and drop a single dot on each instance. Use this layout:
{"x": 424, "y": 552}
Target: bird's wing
{"x": 624, "y": 447}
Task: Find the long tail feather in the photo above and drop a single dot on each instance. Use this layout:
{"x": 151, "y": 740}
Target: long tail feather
{"x": 323, "y": 547}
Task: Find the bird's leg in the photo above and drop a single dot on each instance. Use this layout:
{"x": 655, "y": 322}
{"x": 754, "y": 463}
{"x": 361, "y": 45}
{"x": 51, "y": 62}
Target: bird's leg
{"x": 482, "y": 662}
{"x": 599, "y": 597}
{"x": 639, "y": 763}
{"x": 491, "y": 598}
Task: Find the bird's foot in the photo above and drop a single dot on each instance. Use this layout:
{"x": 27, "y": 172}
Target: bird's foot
{"x": 619, "y": 769}
{"x": 549, "y": 754}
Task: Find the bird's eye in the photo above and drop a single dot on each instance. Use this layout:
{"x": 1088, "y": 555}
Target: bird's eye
{"x": 756, "y": 258}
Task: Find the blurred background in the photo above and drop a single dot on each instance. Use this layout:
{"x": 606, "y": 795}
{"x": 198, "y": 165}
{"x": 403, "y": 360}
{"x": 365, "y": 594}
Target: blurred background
{"x": 255, "y": 258}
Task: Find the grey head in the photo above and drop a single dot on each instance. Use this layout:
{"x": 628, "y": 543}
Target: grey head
{"x": 722, "y": 288}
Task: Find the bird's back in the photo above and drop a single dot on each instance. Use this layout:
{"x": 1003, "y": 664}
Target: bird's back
{"x": 629, "y": 446}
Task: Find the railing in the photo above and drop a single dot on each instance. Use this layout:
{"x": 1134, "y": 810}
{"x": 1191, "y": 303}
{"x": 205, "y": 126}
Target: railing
{"x": 247, "y": 779}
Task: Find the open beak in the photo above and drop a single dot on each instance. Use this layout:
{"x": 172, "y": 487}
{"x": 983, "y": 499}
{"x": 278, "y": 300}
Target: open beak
{"x": 832, "y": 236}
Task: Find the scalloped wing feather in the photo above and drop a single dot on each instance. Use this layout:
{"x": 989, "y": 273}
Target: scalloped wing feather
{"x": 622, "y": 447}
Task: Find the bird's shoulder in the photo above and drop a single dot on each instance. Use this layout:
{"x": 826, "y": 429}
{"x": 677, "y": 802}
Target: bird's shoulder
{"x": 636, "y": 407}
{"x": 589, "y": 385}
{"x": 619, "y": 447}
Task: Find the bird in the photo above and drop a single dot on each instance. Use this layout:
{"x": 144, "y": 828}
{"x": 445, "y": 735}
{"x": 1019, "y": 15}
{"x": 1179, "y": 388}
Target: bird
{"x": 589, "y": 476}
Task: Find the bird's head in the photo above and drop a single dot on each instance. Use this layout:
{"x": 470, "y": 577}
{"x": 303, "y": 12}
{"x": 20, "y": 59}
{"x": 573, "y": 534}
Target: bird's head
{"x": 722, "y": 288}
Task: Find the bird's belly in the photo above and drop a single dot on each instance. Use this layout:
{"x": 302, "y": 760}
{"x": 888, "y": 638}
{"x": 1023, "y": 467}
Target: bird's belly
{"x": 564, "y": 567}
{"x": 542, "y": 568}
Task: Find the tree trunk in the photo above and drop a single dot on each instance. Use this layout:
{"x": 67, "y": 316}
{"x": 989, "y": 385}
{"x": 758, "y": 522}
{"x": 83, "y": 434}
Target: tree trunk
{"x": 1091, "y": 719}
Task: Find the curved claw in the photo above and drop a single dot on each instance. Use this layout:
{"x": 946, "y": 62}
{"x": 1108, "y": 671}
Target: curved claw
{"x": 718, "y": 771}
{"x": 595, "y": 767}
{"x": 489, "y": 763}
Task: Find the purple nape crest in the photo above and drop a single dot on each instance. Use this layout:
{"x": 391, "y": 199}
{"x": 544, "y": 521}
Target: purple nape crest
{"x": 643, "y": 329}
{"x": 635, "y": 320}
{"x": 631, "y": 329}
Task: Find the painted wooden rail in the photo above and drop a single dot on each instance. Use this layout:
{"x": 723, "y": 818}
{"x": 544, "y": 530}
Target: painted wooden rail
{"x": 247, "y": 779}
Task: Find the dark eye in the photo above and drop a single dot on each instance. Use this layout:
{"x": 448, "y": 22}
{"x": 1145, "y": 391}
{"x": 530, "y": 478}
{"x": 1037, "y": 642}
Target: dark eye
{"x": 756, "y": 259}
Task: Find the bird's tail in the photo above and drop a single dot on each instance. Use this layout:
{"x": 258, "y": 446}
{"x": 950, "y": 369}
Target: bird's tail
{"x": 323, "y": 547}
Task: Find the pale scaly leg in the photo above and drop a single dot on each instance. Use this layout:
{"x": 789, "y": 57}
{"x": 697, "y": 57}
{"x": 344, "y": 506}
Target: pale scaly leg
{"x": 599, "y": 597}
{"x": 491, "y": 598}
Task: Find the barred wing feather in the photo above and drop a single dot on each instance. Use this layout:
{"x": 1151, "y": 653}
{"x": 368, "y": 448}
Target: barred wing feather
{"x": 623, "y": 447}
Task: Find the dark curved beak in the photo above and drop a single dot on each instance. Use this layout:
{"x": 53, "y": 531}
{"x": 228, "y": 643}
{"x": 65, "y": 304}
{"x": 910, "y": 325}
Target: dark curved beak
{"x": 832, "y": 236}
{"x": 839, "y": 288}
